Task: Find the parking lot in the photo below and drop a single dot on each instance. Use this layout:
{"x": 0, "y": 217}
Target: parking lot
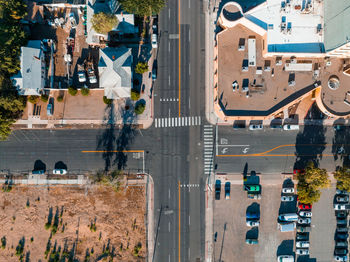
{"x": 231, "y": 231}
{"x": 230, "y": 243}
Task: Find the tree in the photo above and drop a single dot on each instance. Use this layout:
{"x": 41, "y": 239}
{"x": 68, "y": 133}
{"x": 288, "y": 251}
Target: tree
{"x": 103, "y": 23}
{"x": 107, "y": 101}
{"x": 44, "y": 98}
{"x": 143, "y": 7}
{"x": 310, "y": 182}
{"x": 135, "y": 95}
{"x": 72, "y": 90}
{"x": 60, "y": 98}
{"x": 139, "y": 108}
{"x": 33, "y": 99}
{"x": 141, "y": 67}
{"x": 342, "y": 175}
{"x": 85, "y": 91}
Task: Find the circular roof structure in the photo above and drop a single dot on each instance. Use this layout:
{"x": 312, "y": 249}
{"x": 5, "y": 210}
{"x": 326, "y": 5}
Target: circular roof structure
{"x": 333, "y": 82}
{"x": 232, "y": 11}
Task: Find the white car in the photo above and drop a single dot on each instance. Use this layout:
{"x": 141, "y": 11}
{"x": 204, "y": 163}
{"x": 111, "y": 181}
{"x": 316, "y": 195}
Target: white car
{"x": 81, "y": 76}
{"x": 304, "y": 220}
{"x": 287, "y": 198}
{"x": 256, "y": 127}
{"x": 288, "y": 190}
{"x": 252, "y": 223}
{"x": 342, "y": 192}
{"x": 305, "y": 214}
{"x": 343, "y": 199}
{"x": 302, "y": 244}
{"x": 154, "y": 41}
{"x": 285, "y": 258}
{"x": 341, "y": 258}
{"x": 291, "y": 127}
{"x": 339, "y": 207}
{"x": 302, "y": 251}
{"x": 59, "y": 171}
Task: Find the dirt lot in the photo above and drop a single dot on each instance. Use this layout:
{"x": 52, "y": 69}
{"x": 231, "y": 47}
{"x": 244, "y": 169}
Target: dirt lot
{"x": 98, "y": 223}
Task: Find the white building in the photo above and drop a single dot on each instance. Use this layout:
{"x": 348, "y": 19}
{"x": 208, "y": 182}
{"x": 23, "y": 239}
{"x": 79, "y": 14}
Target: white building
{"x": 115, "y": 72}
{"x": 30, "y": 80}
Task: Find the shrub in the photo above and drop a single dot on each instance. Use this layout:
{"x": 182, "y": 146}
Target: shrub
{"x": 60, "y": 98}
{"x": 139, "y": 108}
{"x": 44, "y": 98}
{"x": 72, "y": 91}
{"x": 85, "y": 91}
{"x": 33, "y": 99}
{"x": 135, "y": 95}
{"x": 141, "y": 67}
{"x": 107, "y": 101}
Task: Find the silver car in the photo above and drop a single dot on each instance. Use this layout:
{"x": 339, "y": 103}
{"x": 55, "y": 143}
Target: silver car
{"x": 304, "y": 220}
{"x": 287, "y": 198}
{"x": 302, "y": 251}
{"x": 252, "y": 223}
{"x": 302, "y": 244}
{"x": 343, "y": 199}
{"x": 256, "y": 127}
{"x": 305, "y": 214}
{"x": 288, "y": 190}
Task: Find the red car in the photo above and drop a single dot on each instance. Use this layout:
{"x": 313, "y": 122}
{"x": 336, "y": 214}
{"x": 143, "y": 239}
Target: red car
{"x": 304, "y": 206}
{"x": 298, "y": 171}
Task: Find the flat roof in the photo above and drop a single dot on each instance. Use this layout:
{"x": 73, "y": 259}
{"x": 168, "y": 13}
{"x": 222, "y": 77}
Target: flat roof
{"x": 291, "y": 23}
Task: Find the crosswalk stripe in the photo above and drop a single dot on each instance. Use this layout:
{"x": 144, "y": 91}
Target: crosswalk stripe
{"x": 175, "y": 121}
{"x": 208, "y": 126}
{"x": 199, "y": 121}
{"x": 185, "y": 121}
{"x": 182, "y": 121}
{"x": 172, "y": 121}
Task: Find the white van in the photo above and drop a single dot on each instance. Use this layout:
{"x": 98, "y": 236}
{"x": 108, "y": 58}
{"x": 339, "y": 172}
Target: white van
{"x": 285, "y": 258}
{"x": 289, "y": 217}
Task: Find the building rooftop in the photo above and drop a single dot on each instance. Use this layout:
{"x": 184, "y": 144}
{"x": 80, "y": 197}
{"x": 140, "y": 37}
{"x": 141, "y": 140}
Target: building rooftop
{"x": 115, "y": 71}
{"x": 292, "y": 25}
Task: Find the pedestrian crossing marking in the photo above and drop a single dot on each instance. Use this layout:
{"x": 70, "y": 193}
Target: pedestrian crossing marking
{"x": 177, "y": 121}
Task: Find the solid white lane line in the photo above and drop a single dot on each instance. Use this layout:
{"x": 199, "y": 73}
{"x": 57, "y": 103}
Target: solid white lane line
{"x": 169, "y": 47}
{"x": 233, "y": 145}
{"x": 169, "y": 193}
{"x": 169, "y": 226}
{"x": 169, "y": 80}
{"x": 189, "y": 69}
{"x": 189, "y": 220}
{"x": 189, "y": 3}
{"x": 169, "y": 13}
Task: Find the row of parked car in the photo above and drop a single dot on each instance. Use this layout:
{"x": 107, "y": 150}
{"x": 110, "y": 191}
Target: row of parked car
{"x": 341, "y": 233}
{"x": 56, "y": 171}
{"x": 218, "y": 189}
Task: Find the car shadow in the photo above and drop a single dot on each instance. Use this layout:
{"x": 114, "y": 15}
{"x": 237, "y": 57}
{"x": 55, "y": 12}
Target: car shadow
{"x": 254, "y": 208}
{"x": 285, "y": 248}
{"x": 288, "y": 183}
{"x": 252, "y": 233}
{"x": 60, "y": 165}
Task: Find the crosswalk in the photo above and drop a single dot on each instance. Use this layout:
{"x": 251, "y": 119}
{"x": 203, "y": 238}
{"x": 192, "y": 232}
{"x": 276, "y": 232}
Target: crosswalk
{"x": 177, "y": 121}
{"x": 208, "y": 149}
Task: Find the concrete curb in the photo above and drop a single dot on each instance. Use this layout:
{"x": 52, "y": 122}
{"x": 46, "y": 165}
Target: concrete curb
{"x": 150, "y": 218}
{"x": 209, "y": 219}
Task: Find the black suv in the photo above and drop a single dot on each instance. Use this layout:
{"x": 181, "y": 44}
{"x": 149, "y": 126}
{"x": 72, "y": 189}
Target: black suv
{"x": 217, "y": 189}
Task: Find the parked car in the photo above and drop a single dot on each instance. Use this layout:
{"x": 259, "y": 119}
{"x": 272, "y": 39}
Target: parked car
{"x": 287, "y": 198}
{"x": 286, "y": 227}
{"x": 256, "y": 127}
{"x": 252, "y": 223}
{"x": 304, "y": 220}
{"x": 154, "y": 41}
{"x": 341, "y": 258}
{"x": 288, "y": 190}
{"x": 343, "y": 244}
{"x": 342, "y": 229}
{"x": 342, "y": 199}
{"x": 341, "y": 192}
{"x": 72, "y": 20}
{"x": 304, "y": 207}
{"x": 302, "y": 251}
{"x": 341, "y": 236}
{"x": 305, "y": 214}
{"x": 302, "y": 244}
{"x": 217, "y": 189}
{"x": 251, "y": 241}
{"x": 341, "y": 214}
{"x": 227, "y": 190}
{"x": 49, "y": 109}
{"x": 252, "y": 188}
{"x": 38, "y": 172}
{"x": 285, "y": 258}
{"x": 59, "y": 171}
{"x": 82, "y": 76}
{"x": 342, "y": 221}
{"x": 92, "y": 76}
{"x": 303, "y": 228}
{"x": 302, "y": 236}
{"x": 340, "y": 251}
{"x": 154, "y": 70}
{"x": 339, "y": 207}
{"x": 289, "y": 217}
{"x": 291, "y": 127}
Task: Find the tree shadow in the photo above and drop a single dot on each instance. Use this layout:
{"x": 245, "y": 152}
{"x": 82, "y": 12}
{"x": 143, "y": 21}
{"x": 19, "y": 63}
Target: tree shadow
{"x": 114, "y": 145}
{"x": 39, "y": 165}
{"x": 309, "y": 145}
{"x": 341, "y": 144}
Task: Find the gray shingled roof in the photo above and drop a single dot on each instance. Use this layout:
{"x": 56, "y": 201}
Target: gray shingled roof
{"x": 336, "y": 23}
